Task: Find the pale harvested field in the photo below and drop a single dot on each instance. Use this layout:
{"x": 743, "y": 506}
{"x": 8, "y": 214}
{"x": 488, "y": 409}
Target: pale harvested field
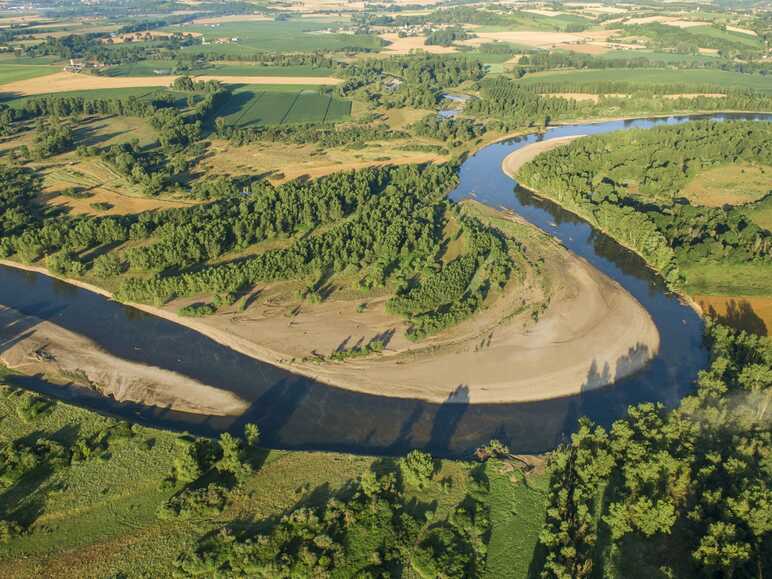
{"x": 741, "y": 30}
{"x": 232, "y": 18}
{"x": 68, "y": 81}
{"x": 591, "y": 42}
{"x": 539, "y": 39}
{"x": 409, "y": 43}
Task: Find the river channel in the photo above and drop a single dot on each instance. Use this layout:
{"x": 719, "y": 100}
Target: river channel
{"x": 297, "y": 412}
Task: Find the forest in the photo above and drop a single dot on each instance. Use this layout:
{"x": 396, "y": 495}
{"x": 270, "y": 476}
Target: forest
{"x": 383, "y": 225}
{"x": 681, "y": 493}
{"x": 628, "y": 184}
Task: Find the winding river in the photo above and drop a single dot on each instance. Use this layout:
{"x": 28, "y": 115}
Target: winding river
{"x": 296, "y": 412}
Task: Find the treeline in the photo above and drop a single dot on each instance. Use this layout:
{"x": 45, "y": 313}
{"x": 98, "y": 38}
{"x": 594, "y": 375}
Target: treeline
{"x": 520, "y": 104}
{"x": 322, "y": 134}
{"x": 509, "y": 100}
{"x": 593, "y": 176}
{"x": 452, "y": 131}
{"x": 446, "y": 36}
{"x": 681, "y": 493}
{"x": 533, "y": 61}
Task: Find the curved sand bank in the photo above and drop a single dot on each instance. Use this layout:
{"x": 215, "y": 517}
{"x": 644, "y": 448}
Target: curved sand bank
{"x": 591, "y": 333}
{"x": 35, "y": 346}
{"x": 518, "y": 158}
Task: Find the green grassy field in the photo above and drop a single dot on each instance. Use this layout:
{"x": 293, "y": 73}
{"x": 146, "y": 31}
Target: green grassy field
{"x": 728, "y": 279}
{"x": 11, "y": 58}
{"x": 287, "y": 36}
{"x": 251, "y": 106}
{"x": 728, "y": 35}
{"x": 148, "y": 68}
{"x": 98, "y": 517}
{"x": 105, "y": 93}
{"x": 651, "y": 77}
{"x": 14, "y": 72}
{"x": 761, "y": 212}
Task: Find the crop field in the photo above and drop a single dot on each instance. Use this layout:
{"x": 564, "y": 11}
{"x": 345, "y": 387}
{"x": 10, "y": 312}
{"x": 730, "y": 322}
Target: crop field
{"x": 651, "y": 77}
{"x": 252, "y": 106}
{"x": 14, "y": 72}
{"x": 149, "y": 68}
{"x": 289, "y": 36}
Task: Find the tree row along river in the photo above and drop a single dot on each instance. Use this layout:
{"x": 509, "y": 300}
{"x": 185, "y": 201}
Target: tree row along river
{"x": 298, "y": 412}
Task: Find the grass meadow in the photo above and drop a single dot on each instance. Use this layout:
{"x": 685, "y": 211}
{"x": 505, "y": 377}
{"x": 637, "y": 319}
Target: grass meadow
{"x": 98, "y": 517}
{"x": 15, "y": 72}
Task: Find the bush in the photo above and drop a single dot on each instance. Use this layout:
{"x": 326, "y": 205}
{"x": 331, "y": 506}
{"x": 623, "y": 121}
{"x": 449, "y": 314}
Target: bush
{"x": 417, "y": 468}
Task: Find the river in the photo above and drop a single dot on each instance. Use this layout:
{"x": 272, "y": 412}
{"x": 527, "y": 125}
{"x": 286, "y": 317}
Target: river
{"x": 296, "y": 412}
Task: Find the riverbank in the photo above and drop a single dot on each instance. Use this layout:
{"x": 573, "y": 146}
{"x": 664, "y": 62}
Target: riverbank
{"x": 589, "y": 333}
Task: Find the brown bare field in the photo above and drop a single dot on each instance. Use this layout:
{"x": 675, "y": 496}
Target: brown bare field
{"x": 284, "y": 162}
{"x": 409, "y": 43}
{"x": 68, "y": 82}
{"x": 105, "y": 186}
{"x": 750, "y": 313}
{"x": 729, "y": 185}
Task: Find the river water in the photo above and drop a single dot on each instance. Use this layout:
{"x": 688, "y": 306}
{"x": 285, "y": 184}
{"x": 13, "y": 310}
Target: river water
{"x": 296, "y": 412}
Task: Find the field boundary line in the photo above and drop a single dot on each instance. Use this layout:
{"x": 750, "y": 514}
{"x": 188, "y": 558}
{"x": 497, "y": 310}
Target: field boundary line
{"x": 252, "y": 103}
{"x": 292, "y": 106}
{"x": 327, "y": 110}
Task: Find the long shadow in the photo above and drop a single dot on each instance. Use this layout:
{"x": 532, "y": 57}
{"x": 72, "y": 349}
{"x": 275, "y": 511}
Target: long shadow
{"x": 739, "y": 315}
{"x": 447, "y": 419}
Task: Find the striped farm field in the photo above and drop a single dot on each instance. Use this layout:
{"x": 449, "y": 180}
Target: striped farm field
{"x": 252, "y": 106}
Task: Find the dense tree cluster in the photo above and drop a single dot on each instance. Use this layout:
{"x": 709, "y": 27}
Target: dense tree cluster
{"x": 324, "y": 135}
{"x": 385, "y": 224}
{"x": 628, "y": 182}
{"x": 455, "y": 132}
{"x": 698, "y": 477}
{"x": 328, "y": 539}
{"x": 516, "y": 103}
{"x": 423, "y": 77}
{"x": 446, "y": 36}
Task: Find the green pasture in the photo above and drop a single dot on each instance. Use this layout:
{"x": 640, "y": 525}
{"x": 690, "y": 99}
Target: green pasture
{"x": 727, "y": 35}
{"x": 15, "y": 72}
